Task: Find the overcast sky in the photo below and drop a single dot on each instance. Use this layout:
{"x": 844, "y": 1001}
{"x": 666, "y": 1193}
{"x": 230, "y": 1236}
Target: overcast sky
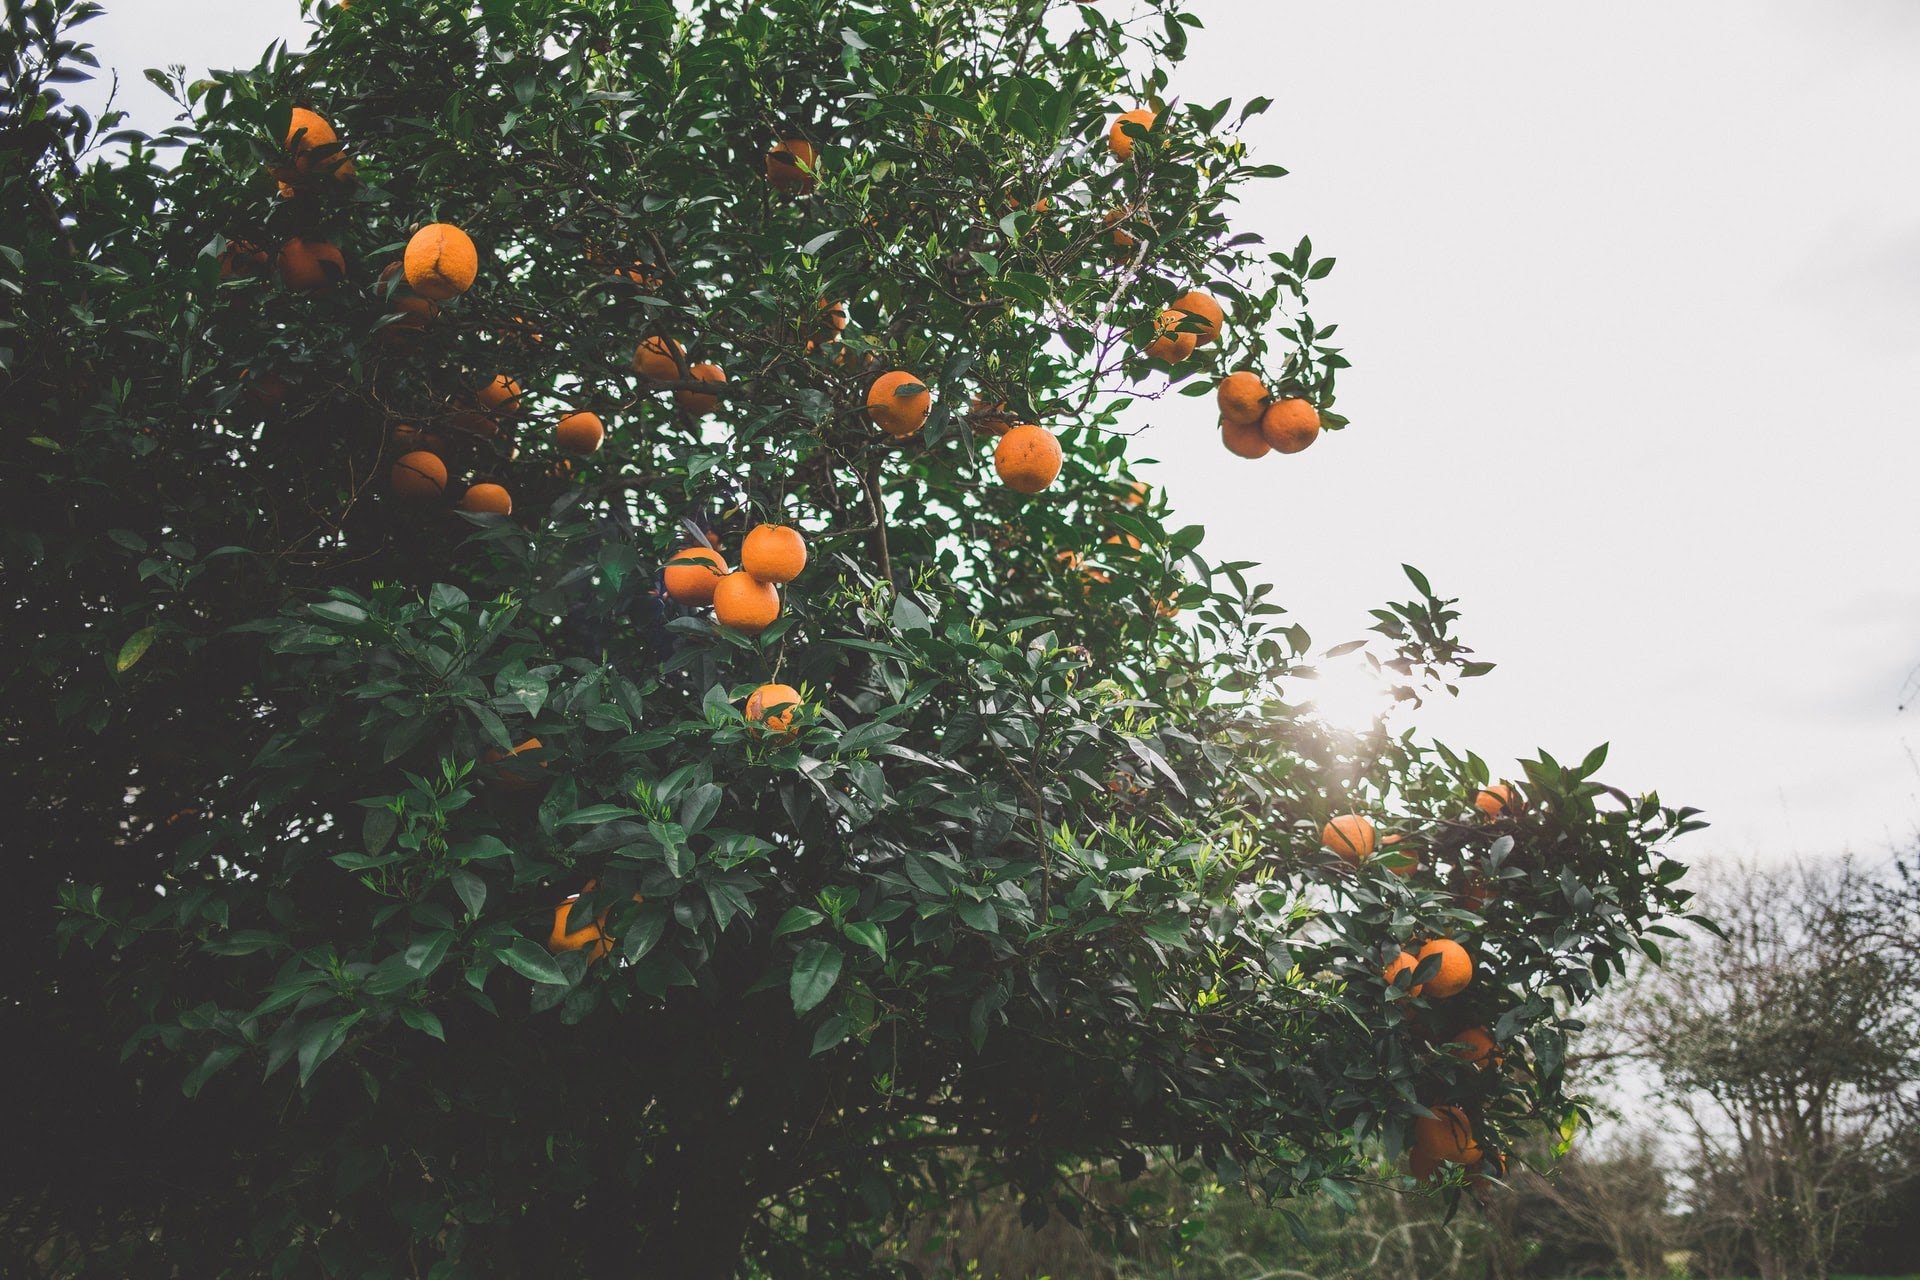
{"x": 1632, "y": 293}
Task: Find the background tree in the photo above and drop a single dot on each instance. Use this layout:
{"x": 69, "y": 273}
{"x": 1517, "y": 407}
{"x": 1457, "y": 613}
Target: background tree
{"x": 1792, "y": 1048}
{"x": 431, "y": 901}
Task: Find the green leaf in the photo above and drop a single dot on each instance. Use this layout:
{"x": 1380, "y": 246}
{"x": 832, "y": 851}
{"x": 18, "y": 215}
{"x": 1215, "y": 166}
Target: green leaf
{"x": 797, "y": 919}
{"x": 423, "y": 1020}
{"x": 815, "y": 969}
{"x": 528, "y": 959}
{"x": 472, "y": 890}
{"x": 831, "y": 1033}
{"x": 870, "y": 936}
{"x": 135, "y": 648}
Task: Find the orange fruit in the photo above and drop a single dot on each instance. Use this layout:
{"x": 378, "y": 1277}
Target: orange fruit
{"x": 307, "y": 130}
{"x": 642, "y": 274}
{"x": 311, "y": 264}
{"x": 899, "y": 403}
{"x": 580, "y": 432}
{"x": 473, "y": 422}
{"x": 1446, "y": 1135}
{"x": 696, "y": 402}
{"x": 242, "y": 257}
{"x": 1027, "y": 458}
{"x": 587, "y": 935}
{"x": 658, "y": 358}
{"x": 315, "y": 146}
{"x": 833, "y": 322}
{"x": 771, "y": 709}
{"x": 1405, "y": 962}
{"x": 1195, "y": 303}
{"x": 1244, "y": 439}
{"x": 1456, "y": 968}
{"x": 502, "y": 395}
{"x": 487, "y": 499}
{"x": 506, "y": 778}
{"x": 1407, "y": 862}
{"x": 1118, "y": 140}
{"x": 1475, "y": 1047}
{"x": 1169, "y": 343}
{"x": 744, "y": 603}
{"x": 1135, "y": 493}
{"x": 1350, "y": 835}
{"x": 1290, "y": 425}
{"x": 413, "y": 310}
{"x": 1475, "y": 894}
{"x": 694, "y": 583}
{"x": 1497, "y": 799}
{"x": 1422, "y": 1164}
{"x": 1122, "y": 239}
{"x": 441, "y": 261}
{"x": 774, "y": 553}
{"x": 419, "y": 476}
{"x": 784, "y": 161}
{"x": 1242, "y": 397}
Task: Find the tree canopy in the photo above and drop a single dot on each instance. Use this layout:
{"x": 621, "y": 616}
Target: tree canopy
{"x": 414, "y": 889}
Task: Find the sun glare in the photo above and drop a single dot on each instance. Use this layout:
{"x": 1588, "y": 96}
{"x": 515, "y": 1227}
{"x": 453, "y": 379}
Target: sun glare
{"x": 1347, "y": 694}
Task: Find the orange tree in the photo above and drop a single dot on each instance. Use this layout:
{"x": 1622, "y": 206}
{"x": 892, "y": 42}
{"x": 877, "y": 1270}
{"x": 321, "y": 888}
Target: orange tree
{"x": 409, "y": 880}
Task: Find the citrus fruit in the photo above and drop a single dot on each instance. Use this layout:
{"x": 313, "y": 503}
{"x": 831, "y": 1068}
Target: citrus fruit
{"x": 774, "y": 553}
{"x": 1027, "y": 458}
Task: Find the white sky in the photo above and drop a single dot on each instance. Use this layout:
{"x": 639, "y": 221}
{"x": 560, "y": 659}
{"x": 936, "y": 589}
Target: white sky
{"x": 1632, "y": 293}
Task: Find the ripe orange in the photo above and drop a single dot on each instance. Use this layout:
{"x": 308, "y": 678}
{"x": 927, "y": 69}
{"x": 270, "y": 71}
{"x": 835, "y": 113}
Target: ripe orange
{"x": 1350, "y": 835}
{"x": 833, "y": 322}
{"x": 643, "y": 274}
{"x": 1456, "y": 968}
{"x": 267, "y": 389}
{"x": 307, "y": 130}
{"x": 1408, "y": 861}
{"x": 774, "y": 553}
{"x": 694, "y": 583}
{"x": 899, "y": 403}
{"x": 473, "y": 423}
{"x": 1242, "y": 397}
{"x": 487, "y": 499}
{"x": 501, "y": 396}
{"x": 1244, "y": 439}
{"x": 1122, "y": 239}
{"x": 1497, "y": 799}
{"x": 658, "y": 358}
{"x": 1118, "y": 140}
{"x": 1446, "y": 1135}
{"x": 580, "y": 432}
{"x": 782, "y": 701}
{"x": 1203, "y": 305}
{"x": 1135, "y": 493}
{"x": 506, "y": 778}
{"x": 1475, "y": 1047}
{"x": 313, "y": 142}
{"x": 744, "y": 603}
{"x": 784, "y": 166}
{"x": 697, "y": 402}
{"x": 419, "y": 476}
{"x": 1027, "y": 458}
{"x": 587, "y": 935}
{"x": 310, "y": 264}
{"x": 1474, "y": 894}
{"x": 242, "y": 257}
{"x": 1169, "y": 343}
{"x": 441, "y": 261}
{"x": 1290, "y": 425}
{"x": 1405, "y": 962}
{"x": 413, "y": 310}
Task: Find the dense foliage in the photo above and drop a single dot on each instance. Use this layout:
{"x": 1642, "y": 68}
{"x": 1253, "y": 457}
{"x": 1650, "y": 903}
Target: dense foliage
{"x": 1038, "y": 886}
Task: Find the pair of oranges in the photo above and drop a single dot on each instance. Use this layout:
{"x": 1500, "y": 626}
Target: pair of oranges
{"x": 1028, "y": 458}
